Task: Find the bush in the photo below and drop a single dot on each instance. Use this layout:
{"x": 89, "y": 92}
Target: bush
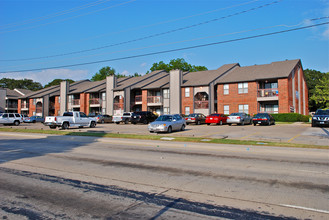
{"x": 291, "y": 117}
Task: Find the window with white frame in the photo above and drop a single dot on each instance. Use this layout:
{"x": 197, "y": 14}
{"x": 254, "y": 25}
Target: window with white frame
{"x": 187, "y": 110}
{"x": 166, "y": 93}
{"x": 244, "y": 109}
{"x": 59, "y": 99}
{"x": 187, "y": 92}
{"x": 104, "y": 97}
{"x": 70, "y": 98}
{"x": 226, "y": 89}
{"x": 226, "y": 109}
{"x": 166, "y": 110}
{"x": 34, "y": 101}
{"x": 103, "y": 111}
{"x": 242, "y": 88}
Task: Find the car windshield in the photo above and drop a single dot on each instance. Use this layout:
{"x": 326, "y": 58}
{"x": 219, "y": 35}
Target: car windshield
{"x": 322, "y": 112}
{"x": 261, "y": 115}
{"x": 214, "y": 115}
{"x": 164, "y": 118}
{"x": 192, "y": 115}
{"x": 126, "y": 114}
{"x": 236, "y": 114}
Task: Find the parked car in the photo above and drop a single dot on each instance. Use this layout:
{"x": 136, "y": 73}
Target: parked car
{"x": 263, "y": 119}
{"x": 144, "y": 117}
{"x": 239, "y": 118}
{"x": 321, "y": 117}
{"x": 10, "y": 118}
{"x": 70, "y": 119}
{"x": 125, "y": 118}
{"x": 196, "y": 118}
{"x": 167, "y": 123}
{"x": 103, "y": 119}
{"x": 34, "y": 119}
{"x": 218, "y": 119}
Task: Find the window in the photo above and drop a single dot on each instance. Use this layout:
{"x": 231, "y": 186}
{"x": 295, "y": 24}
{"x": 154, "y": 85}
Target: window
{"x": 226, "y": 89}
{"x": 166, "y": 110}
{"x": 166, "y": 93}
{"x": 244, "y": 109}
{"x": 187, "y": 110}
{"x": 70, "y": 98}
{"x": 187, "y": 92}
{"x": 103, "y": 96}
{"x": 243, "y": 88}
{"x": 103, "y": 111}
{"x": 226, "y": 109}
{"x": 59, "y": 99}
{"x": 34, "y": 101}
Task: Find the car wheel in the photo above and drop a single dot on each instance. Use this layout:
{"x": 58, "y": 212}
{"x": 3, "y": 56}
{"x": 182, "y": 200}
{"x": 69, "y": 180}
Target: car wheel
{"x": 34, "y": 121}
{"x": 169, "y": 129}
{"x": 198, "y": 122}
{"x": 242, "y": 123}
{"x": 221, "y": 123}
{"x": 65, "y": 126}
{"x": 229, "y": 124}
{"x": 254, "y": 124}
{"x": 146, "y": 121}
{"x": 52, "y": 127}
{"x": 92, "y": 124}
{"x": 183, "y": 128}
{"x": 126, "y": 121}
{"x": 269, "y": 123}
{"x": 16, "y": 123}
{"x": 208, "y": 123}
{"x": 117, "y": 123}
{"x": 102, "y": 121}
{"x": 273, "y": 122}
{"x": 187, "y": 123}
{"x": 313, "y": 124}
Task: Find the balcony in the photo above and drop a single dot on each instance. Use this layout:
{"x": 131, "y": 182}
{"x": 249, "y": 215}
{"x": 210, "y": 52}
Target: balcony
{"x": 95, "y": 102}
{"x": 118, "y": 106}
{"x": 12, "y": 105}
{"x": 76, "y": 102}
{"x": 51, "y": 106}
{"x": 154, "y": 100}
{"x": 268, "y": 94}
{"x": 201, "y": 105}
{"x": 38, "y": 110}
{"x": 138, "y": 100}
{"x": 24, "y": 105}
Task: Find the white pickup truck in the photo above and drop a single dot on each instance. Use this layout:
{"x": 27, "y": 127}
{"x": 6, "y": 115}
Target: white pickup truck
{"x": 70, "y": 119}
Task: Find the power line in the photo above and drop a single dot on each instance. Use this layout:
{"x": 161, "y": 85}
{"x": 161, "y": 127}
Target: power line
{"x": 149, "y": 36}
{"x": 5, "y": 26}
{"x": 172, "y": 50}
{"x": 144, "y": 26}
{"x": 69, "y": 17}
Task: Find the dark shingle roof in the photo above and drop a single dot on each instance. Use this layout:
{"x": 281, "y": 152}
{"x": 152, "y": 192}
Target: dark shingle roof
{"x": 280, "y": 69}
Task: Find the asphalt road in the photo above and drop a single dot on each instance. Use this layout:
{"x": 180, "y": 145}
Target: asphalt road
{"x": 56, "y": 177}
{"x": 293, "y": 133}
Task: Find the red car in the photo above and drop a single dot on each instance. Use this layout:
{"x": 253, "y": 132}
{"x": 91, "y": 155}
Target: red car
{"x": 218, "y": 119}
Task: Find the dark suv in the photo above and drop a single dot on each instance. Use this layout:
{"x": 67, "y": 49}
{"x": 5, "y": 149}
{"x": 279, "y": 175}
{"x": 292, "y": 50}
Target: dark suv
{"x": 321, "y": 117}
{"x": 143, "y": 117}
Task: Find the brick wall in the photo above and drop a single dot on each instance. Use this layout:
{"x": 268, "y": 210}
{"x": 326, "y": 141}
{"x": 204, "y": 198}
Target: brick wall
{"x": 284, "y": 95}
{"x": 84, "y": 103}
{"x": 19, "y": 106}
{"x": 57, "y": 105}
{"x": 187, "y": 101}
{"x": 32, "y": 108}
{"x": 144, "y": 100}
{"x": 234, "y": 99}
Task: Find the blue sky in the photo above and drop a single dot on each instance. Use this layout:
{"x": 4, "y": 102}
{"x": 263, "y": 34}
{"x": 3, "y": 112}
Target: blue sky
{"x": 38, "y": 35}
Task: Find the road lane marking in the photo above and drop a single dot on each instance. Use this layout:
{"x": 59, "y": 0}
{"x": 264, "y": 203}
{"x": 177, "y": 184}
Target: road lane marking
{"x": 249, "y": 135}
{"x": 305, "y": 208}
{"x": 293, "y": 137}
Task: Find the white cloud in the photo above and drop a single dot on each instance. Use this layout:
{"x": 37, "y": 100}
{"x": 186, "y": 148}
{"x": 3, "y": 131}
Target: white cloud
{"x": 46, "y": 76}
{"x": 125, "y": 72}
{"x": 143, "y": 64}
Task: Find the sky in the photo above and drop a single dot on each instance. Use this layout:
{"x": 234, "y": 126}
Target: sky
{"x": 45, "y": 40}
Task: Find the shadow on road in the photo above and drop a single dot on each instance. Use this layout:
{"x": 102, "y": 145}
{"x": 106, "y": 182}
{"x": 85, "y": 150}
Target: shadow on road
{"x": 14, "y": 149}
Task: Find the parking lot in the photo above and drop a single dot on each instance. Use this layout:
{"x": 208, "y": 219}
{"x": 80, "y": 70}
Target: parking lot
{"x": 294, "y": 133}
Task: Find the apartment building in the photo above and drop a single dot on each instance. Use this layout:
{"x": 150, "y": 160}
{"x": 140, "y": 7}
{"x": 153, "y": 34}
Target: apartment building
{"x": 278, "y": 87}
{"x": 9, "y": 99}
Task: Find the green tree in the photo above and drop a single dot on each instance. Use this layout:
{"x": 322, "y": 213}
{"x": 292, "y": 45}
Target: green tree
{"x": 321, "y": 92}
{"x": 312, "y": 78}
{"x": 103, "y": 73}
{"x": 58, "y": 81}
{"x": 178, "y": 63}
{"x": 20, "y": 84}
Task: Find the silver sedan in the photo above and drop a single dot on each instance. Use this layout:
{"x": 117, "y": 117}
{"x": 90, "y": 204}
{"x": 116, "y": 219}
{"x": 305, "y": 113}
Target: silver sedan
{"x": 167, "y": 123}
{"x": 239, "y": 118}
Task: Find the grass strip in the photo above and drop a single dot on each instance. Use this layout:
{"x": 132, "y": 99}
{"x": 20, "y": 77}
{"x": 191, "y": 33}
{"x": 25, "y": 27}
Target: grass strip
{"x": 158, "y": 137}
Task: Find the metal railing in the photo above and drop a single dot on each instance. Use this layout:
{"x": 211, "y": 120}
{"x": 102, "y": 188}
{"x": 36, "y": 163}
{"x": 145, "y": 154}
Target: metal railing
{"x": 268, "y": 92}
{"x": 201, "y": 104}
{"x": 154, "y": 99}
{"x": 138, "y": 98}
{"x": 95, "y": 101}
{"x": 76, "y": 102}
{"x": 12, "y": 105}
{"x": 118, "y": 106}
{"x": 24, "y": 105}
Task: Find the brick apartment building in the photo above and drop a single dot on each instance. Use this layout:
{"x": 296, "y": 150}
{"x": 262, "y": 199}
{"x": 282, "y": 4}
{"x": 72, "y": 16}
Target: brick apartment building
{"x": 278, "y": 87}
{"x": 9, "y": 99}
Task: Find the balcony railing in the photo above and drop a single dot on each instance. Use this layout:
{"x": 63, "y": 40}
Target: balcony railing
{"x": 24, "y": 105}
{"x": 201, "y": 104}
{"x": 154, "y": 99}
{"x": 12, "y": 105}
{"x": 95, "y": 101}
{"x": 76, "y": 102}
{"x": 38, "y": 110}
{"x": 138, "y": 98}
{"x": 118, "y": 106}
{"x": 268, "y": 92}
{"x": 52, "y": 105}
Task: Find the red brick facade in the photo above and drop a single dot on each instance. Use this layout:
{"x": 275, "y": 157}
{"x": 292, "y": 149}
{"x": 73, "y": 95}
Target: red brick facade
{"x": 187, "y": 101}
{"x": 144, "y": 100}
{"x": 57, "y": 105}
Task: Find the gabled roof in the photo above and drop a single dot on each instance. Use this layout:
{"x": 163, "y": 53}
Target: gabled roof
{"x": 280, "y": 69}
{"x": 203, "y": 78}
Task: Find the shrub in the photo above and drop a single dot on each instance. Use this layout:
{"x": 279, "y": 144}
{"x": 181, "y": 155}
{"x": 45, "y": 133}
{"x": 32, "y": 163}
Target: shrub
{"x": 291, "y": 117}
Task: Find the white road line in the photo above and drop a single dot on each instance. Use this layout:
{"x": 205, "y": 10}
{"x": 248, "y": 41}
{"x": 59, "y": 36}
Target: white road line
{"x": 305, "y": 208}
{"x": 310, "y": 171}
